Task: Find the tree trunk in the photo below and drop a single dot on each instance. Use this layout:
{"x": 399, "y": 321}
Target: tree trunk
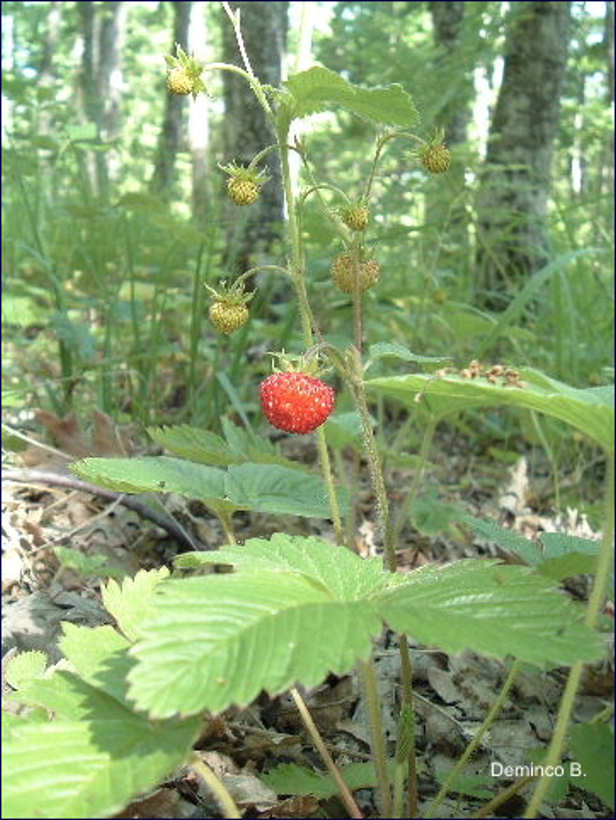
{"x": 170, "y": 140}
{"x": 102, "y": 30}
{"x": 447, "y": 23}
{"x": 454, "y": 116}
{"x": 112, "y": 35}
{"x": 514, "y": 187}
{"x": 246, "y": 130}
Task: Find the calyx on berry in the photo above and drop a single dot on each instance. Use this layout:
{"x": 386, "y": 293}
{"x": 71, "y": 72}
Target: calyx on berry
{"x": 229, "y": 308}
{"x": 184, "y": 73}
{"x": 244, "y": 183}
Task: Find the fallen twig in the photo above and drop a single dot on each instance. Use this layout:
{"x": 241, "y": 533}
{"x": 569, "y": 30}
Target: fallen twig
{"x": 56, "y": 479}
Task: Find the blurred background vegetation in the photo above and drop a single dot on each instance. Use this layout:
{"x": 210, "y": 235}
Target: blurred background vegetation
{"x": 114, "y": 211}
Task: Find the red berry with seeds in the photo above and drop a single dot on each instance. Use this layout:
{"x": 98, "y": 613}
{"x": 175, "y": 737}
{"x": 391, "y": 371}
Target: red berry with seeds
{"x": 296, "y": 402}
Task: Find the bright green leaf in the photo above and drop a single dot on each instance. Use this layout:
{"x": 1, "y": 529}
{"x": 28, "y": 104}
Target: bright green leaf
{"x": 219, "y": 639}
{"x": 289, "y": 778}
{"x": 24, "y": 667}
{"x": 587, "y": 410}
{"x": 271, "y": 488}
{"x": 492, "y": 609}
{"x": 319, "y": 89}
{"x": 132, "y": 602}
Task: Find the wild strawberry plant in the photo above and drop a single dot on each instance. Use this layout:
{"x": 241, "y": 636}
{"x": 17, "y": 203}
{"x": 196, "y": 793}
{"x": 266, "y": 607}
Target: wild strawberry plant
{"x": 128, "y": 702}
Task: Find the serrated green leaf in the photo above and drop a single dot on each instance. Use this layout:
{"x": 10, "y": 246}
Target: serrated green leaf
{"x": 506, "y": 539}
{"x": 289, "y": 778}
{"x": 271, "y": 488}
{"x": 347, "y": 576}
{"x": 492, "y": 609}
{"x": 220, "y": 639}
{"x": 194, "y": 444}
{"x": 318, "y": 89}
{"x": 382, "y": 350}
{"x": 99, "y": 655}
{"x": 25, "y": 667}
{"x": 587, "y": 410}
{"x": 87, "y": 565}
{"x": 131, "y": 603}
{"x": 89, "y": 768}
{"x": 592, "y": 746}
{"x": 154, "y": 474}
{"x": 568, "y": 555}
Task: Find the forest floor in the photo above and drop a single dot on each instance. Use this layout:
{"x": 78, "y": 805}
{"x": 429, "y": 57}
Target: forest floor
{"x": 452, "y": 693}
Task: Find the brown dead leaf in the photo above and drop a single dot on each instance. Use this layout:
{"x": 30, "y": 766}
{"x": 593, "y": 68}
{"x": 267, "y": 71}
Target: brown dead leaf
{"x": 164, "y": 803}
{"x": 294, "y": 807}
{"x": 66, "y": 431}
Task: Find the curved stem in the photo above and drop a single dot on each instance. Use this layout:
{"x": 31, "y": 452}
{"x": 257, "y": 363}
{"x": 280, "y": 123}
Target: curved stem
{"x": 258, "y": 157}
{"x": 592, "y": 612}
{"x": 225, "y": 801}
{"x": 314, "y": 733}
{"x": 489, "y": 720}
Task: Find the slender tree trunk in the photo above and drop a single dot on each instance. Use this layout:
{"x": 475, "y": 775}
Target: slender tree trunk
{"x": 102, "y": 28}
{"x": 447, "y": 19}
{"x": 454, "y": 116}
{"x": 112, "y": 36}
{"x": 246, "y": 130}
{"x": 171, "y": 140}
{"x": 198, "y": 123}
{"x": 513, "y": 193}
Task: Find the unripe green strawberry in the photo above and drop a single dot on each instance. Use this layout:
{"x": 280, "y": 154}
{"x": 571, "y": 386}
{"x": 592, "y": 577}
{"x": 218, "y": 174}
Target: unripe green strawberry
{"x": 356, "y": 217}
{"x": 228, "y": 317}
{"x": 179, "y": 81}
{"x": 296, "y": 402}
{"x": 344, "y": 276}
{"x": 436, "y": 158}
{"x": 243, "y": 191}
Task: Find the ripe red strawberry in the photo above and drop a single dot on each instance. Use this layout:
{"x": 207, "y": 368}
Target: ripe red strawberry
{"x": 227, "y": 317}
{"x": 344, "y": 276}
{"x": 296, "y": 402}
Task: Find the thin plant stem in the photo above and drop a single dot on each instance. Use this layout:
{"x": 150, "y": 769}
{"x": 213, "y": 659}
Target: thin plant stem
{"x": 554, "y": 753}
{"x": 311, "y": 728}
{"x": 406, "y": 674}
{"x": 377, "y": 735}
{"x": 489, "y": 720}
{"x": 223, "y": 798}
